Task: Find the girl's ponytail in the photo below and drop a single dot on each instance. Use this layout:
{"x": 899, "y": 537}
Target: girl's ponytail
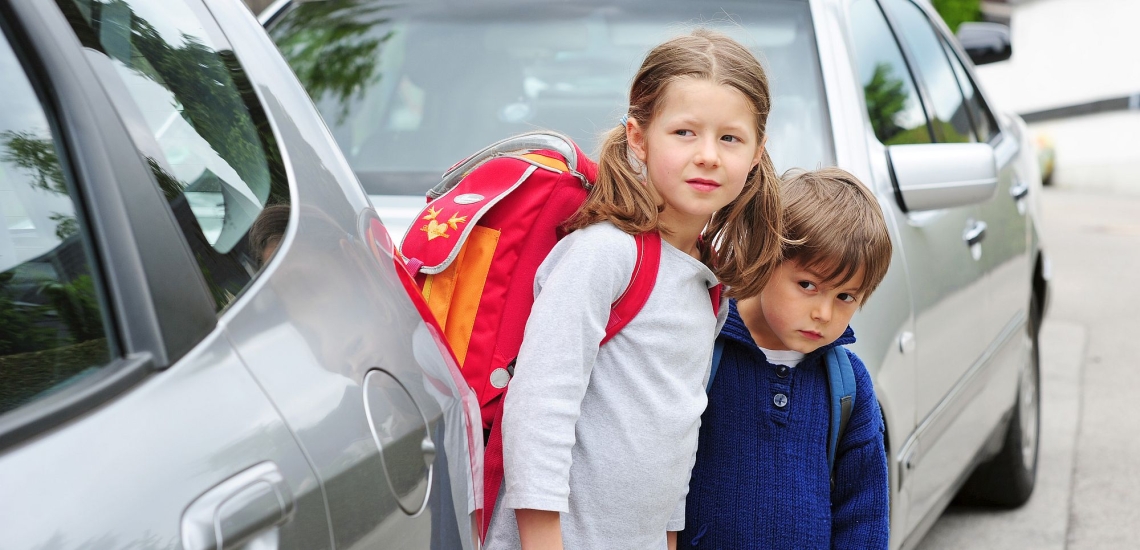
{"x": 619, "y": 195}
{"x": 747, "y": 234}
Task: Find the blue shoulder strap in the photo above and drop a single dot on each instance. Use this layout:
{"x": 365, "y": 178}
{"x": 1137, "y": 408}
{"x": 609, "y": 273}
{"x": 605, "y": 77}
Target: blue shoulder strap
{"x": 718, "y": 349}
{"x": 841, "y": 383}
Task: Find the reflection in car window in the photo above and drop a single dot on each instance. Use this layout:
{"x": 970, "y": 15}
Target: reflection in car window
{"x": 951, "y": 119}
{"x": 892, "y": 100}
{"x": 984, "y": 124}
{"x": 210, "y": 146}
{"x": 405, "y": 102}
{"x": 51, "y": 323}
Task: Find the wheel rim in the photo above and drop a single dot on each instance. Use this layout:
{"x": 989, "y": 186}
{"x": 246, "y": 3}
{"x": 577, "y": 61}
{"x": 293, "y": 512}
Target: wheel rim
{"x": 1027, "y": 413}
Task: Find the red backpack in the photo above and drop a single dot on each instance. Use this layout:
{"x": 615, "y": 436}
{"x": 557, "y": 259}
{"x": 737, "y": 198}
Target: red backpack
{"x": 474, "y": 251}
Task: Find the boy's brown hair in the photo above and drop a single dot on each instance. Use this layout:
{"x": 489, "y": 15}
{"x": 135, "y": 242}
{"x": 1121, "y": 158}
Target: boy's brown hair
{"x": 745, "y": 234}
{"x": 833, "y": 223}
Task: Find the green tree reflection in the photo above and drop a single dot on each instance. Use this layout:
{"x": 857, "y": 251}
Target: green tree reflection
{"x": 328, "y": 47}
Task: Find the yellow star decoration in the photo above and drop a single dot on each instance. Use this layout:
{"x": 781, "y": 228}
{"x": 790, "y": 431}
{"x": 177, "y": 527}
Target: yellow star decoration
{"x": 434, "y": 228}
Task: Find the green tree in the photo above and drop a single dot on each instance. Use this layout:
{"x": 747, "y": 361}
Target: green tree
{"x": 19, "y": 330}
{"x": 36, "y": 155}
{"x": 886, "y": 98}
{"x": 328, "y": 47}
{"x": 956, "y": 12}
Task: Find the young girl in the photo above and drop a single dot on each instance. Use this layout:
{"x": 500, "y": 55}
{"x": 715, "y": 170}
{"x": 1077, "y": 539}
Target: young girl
{"x": 599, "y": 441}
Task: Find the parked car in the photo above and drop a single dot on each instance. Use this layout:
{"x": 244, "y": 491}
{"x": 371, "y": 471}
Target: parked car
{"x": 205, "y": 338}
{"x": 879, "y": 87}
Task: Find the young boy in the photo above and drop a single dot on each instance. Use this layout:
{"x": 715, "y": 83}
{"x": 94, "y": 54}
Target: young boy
{"x": 761, "y": 478}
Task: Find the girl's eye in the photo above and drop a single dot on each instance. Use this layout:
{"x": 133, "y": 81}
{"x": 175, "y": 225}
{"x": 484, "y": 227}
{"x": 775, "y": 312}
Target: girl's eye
{"x": 807, "y": 285}
{"x": 730, "y": 138}
{"x": 849, "y": 298}
{"x": 684, "y": 132}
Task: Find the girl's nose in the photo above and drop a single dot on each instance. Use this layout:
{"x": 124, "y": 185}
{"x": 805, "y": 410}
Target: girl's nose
{"x": 708, "y": 154}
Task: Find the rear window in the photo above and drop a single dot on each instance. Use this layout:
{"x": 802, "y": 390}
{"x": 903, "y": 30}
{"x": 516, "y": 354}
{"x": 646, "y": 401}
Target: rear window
{"x": 410, "y": 89}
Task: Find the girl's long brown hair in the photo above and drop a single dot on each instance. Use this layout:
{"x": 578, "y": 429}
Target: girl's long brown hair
{"x": 744, "y": 237}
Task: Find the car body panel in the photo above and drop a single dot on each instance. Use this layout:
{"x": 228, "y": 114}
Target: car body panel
{"x": 275, "y": 386}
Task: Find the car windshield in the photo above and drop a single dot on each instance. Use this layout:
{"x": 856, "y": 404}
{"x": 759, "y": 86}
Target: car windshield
{"x": 409, "y": 89}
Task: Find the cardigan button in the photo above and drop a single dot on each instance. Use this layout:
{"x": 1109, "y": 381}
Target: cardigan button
{"x": 780, "y": 400}
{"x": 782, "y": 371}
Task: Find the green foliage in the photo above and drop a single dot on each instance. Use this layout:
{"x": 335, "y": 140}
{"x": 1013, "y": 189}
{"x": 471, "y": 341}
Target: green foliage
{"x": 956, "y": 12}
{"x": 885, "y": 100}
{"x": 36, "y": 155}
{"x": 20, "y": 330}
{"x": 77, "y": 306}
{"x": 327, "y": 46}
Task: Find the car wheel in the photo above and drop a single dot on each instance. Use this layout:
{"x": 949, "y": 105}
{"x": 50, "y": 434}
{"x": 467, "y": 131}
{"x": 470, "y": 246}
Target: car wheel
{"x": 1007, "y": 480}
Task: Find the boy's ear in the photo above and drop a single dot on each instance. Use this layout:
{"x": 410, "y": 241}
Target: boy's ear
{"x": 635, "y": 138}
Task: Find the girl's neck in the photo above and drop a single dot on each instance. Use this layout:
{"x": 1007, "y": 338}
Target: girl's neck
{"x": 683, "y": 236}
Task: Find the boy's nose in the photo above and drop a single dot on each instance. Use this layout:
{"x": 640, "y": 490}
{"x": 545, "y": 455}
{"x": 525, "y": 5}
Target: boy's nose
{"x": 822, "y": 312}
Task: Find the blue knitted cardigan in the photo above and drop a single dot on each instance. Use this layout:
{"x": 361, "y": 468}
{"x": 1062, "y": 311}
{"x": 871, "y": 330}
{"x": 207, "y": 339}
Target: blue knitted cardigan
{"x": 761, "y": 478}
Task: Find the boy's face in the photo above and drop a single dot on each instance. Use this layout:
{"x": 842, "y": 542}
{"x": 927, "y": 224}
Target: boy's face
{"x": 803, "y": 312}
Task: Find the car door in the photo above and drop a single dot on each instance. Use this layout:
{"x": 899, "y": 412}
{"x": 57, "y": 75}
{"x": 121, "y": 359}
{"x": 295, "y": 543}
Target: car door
{"x": 333, "y": 336}
{"x": 127, "y": 419}
{"x": 948, "y": 294}
{"x": 972, "y": 394}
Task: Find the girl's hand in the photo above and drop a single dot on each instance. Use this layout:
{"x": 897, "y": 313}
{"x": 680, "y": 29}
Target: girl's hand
{"x": 671, "y": 536}
{"x": 542, "y": 530}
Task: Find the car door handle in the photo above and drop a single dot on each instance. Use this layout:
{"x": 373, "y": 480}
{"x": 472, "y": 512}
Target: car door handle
{"x": 1019, "y": 190}
{"x": 975, "y": 233}
{"x": 238, "y": 509}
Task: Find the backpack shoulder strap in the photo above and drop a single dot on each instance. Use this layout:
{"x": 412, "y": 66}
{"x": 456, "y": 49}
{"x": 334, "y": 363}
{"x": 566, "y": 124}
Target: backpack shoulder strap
{"x": 640, "y": 285}
{"x": 841, "y": 384}
{"x": 718, "y": 349}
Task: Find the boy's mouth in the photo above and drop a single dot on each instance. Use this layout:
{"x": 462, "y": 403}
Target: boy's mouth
{"x": 701, "y": 184}
{"x": 811, "y": 334}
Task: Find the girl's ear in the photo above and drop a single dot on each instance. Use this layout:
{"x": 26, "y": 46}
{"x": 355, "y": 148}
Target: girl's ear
{"x": 635, "y": 138}
{"x": 760, "y": 151}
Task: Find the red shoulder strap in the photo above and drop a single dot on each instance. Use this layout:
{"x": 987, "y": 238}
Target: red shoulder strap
{"x": 631, "y": 301}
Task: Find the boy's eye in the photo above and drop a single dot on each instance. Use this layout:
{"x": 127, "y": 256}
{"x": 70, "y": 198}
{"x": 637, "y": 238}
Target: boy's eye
{"x": 847, "y": 297}
{"x": 807, "y": 285}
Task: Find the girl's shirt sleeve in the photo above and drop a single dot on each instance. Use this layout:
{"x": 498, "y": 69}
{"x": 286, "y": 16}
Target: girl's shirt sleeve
{"x": 860, "y": 503}
{"x": 574, "y": 289}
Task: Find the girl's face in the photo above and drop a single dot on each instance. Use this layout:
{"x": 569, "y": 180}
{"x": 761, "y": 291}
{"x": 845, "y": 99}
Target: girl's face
{"x": 698, "y": 150}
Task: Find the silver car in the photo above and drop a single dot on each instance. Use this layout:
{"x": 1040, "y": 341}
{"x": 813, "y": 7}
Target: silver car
{"x": 879, "y": 87}
{"x": 206, "y": 340}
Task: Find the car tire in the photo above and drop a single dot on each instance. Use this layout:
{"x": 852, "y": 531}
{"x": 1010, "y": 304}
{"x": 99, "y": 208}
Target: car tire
{"x": 1007, "y": 479}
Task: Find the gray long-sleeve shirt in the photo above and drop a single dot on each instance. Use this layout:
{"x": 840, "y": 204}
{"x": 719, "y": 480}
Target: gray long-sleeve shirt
{"x": 607, "y": 436}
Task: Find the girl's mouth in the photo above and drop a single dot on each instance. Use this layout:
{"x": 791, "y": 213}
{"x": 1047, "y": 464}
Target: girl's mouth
{"x": 811, "y": 334}
{"x": 701, "y": 184}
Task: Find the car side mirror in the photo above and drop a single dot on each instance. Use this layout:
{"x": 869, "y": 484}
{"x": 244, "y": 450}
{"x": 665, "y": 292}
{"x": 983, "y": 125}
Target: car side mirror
{"x": 932, "y": 176}
{"x": 985, "y": 42}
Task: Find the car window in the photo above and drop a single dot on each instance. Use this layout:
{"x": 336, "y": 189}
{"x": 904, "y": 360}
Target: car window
{"x": 209, "y": 144}
{"x": 985, "y": 127}
{"x": 52, "y": 332}
{"x": 410, "y": 88}
{"x": 951, "y": 119}
{"x": 893, "y": 104}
